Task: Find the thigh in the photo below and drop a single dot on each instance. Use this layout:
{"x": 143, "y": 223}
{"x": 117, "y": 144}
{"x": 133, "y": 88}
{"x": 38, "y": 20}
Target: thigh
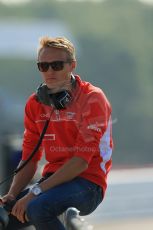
{"x": 79, "y": 193}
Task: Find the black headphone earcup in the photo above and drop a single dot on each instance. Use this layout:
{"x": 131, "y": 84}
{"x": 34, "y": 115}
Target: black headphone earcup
{"x": 59, "y": 100}
{"x": 42, "y": 95}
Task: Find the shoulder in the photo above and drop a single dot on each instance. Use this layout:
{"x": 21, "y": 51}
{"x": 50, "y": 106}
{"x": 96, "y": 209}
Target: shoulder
{"x": 89, "y": 88}
{"x": 93, "y": 93}
{"x": 32, "y": 100}
{"x": 32, "y": 104}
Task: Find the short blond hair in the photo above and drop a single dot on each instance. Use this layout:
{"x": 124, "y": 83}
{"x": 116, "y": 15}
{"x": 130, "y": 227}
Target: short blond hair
{"x": 59, "y": 43}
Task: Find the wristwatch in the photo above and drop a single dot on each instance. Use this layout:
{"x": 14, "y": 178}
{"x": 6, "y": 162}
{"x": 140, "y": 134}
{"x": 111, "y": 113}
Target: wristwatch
{"x": 36, "y": 189}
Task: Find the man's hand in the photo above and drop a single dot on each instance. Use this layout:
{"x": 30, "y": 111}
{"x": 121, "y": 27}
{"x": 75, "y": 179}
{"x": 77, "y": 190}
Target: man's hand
{"x": 20, "y": 207}
{"x": 8, "y": 197}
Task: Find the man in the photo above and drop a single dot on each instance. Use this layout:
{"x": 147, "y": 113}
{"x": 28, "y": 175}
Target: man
{"x": 77, "y": 143}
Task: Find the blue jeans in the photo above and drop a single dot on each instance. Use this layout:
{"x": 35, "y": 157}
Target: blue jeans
{"x": 43, "y": 210}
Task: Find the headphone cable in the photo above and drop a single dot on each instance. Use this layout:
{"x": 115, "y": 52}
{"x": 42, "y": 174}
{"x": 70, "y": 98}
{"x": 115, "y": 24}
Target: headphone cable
{"x": 33, "y": 152}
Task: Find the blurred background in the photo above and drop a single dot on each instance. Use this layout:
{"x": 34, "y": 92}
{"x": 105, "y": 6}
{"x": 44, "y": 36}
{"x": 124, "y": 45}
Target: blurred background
{"x": 114, "y": 46}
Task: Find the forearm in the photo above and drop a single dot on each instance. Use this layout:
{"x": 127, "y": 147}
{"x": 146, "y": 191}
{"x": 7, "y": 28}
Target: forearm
{"x": 67, "y": 172}
{"x": 21, "y": 179}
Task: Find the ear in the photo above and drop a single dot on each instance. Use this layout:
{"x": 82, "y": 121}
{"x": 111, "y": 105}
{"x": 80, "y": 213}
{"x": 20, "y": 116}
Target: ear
{"x": 73, "y": 65}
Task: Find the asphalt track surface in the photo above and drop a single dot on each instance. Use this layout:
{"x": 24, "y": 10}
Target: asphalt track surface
{"x": 128, "y": 204}
{"x": 137, "y": 224}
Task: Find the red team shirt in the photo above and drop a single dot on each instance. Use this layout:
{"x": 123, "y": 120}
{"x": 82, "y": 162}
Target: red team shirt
{"x": 83, "y": 129}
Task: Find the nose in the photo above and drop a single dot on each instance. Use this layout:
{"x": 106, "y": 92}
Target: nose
{"x": 50, "y": 69}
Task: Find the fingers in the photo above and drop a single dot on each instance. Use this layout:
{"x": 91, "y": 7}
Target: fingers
{"x": 19, "y": 213}
{"x": 7, "y": 198}
{"x": 4, "y": 200}
{"x": 18, "y": 209}
{"x": 25, "y": 217}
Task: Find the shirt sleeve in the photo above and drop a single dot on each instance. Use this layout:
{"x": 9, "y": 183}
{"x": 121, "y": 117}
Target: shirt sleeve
{"x": 31, "y": 134}
{"x": 96, "y": 113}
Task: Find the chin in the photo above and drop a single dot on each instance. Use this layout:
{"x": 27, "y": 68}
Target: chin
{"x": 51, "y": 85}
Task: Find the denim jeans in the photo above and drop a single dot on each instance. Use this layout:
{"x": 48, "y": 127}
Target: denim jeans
{"x": 43, "y": 210}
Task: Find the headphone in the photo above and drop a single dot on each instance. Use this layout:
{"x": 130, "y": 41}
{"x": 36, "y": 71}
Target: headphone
{"x": 58, "y": 100}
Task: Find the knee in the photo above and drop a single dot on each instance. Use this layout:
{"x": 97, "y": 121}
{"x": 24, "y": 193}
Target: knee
{"x": 39, "y": 210}
{"x": 34, "y": 211}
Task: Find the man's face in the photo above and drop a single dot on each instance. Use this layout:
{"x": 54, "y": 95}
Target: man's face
{"x": 52, "y": 78}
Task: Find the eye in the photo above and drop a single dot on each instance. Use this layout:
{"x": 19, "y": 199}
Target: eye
{"x": 57, "y": 65}
{"x": 43, "y": 66}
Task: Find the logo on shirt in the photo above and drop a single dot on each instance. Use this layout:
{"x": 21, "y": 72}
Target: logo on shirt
{"x": 47, "y": 115}
{"x": 94, "y": 127}
{"x": 70, "y": 115}
{"x": 49, "y": 137}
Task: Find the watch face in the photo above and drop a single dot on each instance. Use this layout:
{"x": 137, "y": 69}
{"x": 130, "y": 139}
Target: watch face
{"x": 36, "y": 190}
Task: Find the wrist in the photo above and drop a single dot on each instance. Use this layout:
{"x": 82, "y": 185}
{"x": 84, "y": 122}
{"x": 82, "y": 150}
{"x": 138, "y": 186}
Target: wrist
{"x": 36, "y": 190}
{"x": 14, "y": 191}
{"x": 11, "y": 196}
{"x": 29, "y": 195}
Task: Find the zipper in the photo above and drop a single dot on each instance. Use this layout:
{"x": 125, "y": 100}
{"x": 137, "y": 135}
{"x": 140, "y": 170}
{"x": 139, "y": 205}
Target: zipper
{"x": 57, "y": 114}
